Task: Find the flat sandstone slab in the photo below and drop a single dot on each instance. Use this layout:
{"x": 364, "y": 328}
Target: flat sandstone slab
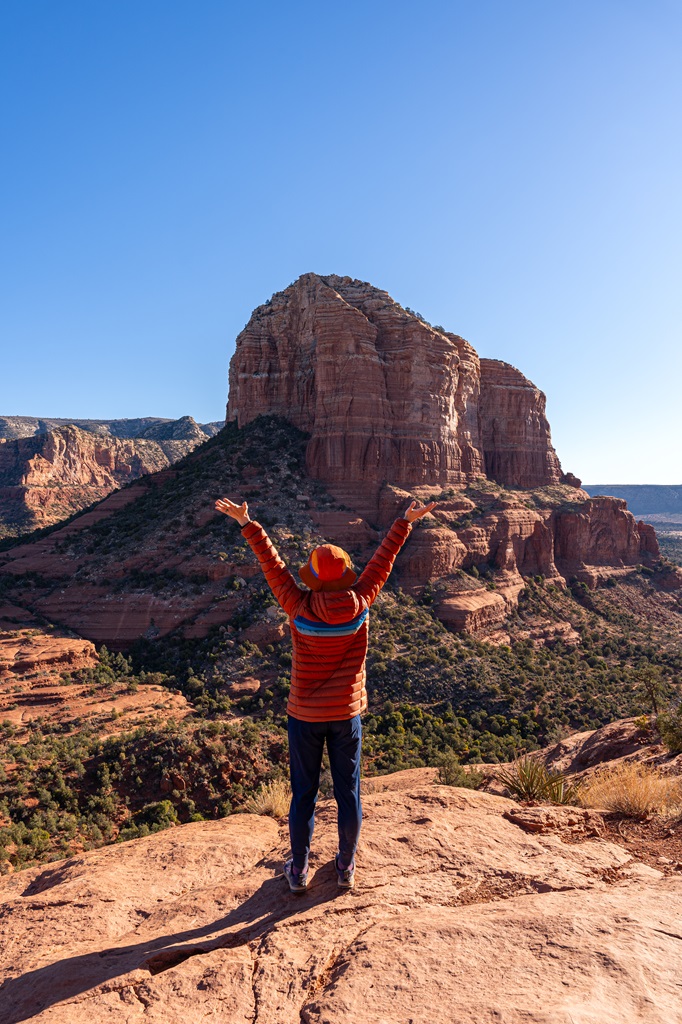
{"x": 458, "y": 915}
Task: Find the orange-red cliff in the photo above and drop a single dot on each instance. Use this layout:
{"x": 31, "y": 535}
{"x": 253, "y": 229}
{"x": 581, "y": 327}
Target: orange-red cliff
{"x": 385, "y": 396}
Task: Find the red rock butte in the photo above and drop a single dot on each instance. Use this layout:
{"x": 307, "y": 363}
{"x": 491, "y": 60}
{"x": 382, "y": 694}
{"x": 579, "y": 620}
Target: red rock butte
{"x": 385, "y": 397}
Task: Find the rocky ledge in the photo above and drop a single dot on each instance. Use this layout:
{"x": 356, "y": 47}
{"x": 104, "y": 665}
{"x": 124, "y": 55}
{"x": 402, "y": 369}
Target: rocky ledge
{"x": 459, "y": 914}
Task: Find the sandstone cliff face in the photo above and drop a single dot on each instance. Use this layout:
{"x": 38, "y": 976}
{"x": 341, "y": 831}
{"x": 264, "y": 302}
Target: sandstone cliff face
{"x": 397, "y": 409}
{"x": 514, "y": 429}
{"x": 196, "y": 923}
{"x": 384, "y": 396}
{"x": 48, "y": 477}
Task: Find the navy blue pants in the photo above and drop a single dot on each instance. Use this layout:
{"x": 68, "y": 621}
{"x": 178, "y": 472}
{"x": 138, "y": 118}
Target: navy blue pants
{"x": 306, "y": 743}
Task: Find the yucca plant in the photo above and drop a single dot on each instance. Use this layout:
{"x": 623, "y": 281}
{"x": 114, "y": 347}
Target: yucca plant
{"x": 529, "y": 779}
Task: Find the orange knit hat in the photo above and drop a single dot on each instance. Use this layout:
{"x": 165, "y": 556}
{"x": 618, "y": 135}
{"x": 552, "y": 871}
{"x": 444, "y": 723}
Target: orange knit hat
{"x": 328, "y": 568}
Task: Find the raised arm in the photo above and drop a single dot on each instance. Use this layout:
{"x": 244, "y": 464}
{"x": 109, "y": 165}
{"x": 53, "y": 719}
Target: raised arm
{"x": 378, "y": 569}
{"x": 280, "y": 580}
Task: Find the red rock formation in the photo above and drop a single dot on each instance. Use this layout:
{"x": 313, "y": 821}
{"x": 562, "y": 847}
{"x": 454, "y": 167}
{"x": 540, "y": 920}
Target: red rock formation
{"x": 50, "y": 476}
{"x": 384, "y": 396}
{"x": 601, "y": 532}
{"x": 35, "y": 652}
{"x": 514, "y": 429}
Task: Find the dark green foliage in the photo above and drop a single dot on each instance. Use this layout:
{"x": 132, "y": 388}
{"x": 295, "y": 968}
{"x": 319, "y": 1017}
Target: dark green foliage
{"x": 669, "y": 725}
{"x": 80, "y": 791}
{"x": 452, "y": 773}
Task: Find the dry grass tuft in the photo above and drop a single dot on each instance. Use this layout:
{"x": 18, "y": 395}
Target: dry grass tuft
{"x": 273, "y": 798}
{"x": 634, "y": 789}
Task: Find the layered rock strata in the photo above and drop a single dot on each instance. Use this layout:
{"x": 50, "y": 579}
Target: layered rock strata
{"x": 385, "y": 396}
{"x": 48, "y": 477}
{"x": 514, "y": 429}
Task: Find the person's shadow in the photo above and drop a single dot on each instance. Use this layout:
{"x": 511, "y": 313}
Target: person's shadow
{"x": 23, "y": 997}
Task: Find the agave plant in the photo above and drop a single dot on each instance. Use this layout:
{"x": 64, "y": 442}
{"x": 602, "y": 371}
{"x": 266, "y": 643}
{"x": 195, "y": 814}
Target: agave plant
{"x": 529, "y": 779}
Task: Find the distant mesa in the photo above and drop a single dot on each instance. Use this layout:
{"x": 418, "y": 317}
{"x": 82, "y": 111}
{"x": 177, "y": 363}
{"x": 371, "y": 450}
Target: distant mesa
{"x": 50, "y": 469}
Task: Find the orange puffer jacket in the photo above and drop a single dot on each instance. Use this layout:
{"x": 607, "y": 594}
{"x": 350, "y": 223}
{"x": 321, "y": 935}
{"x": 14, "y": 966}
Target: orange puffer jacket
{"x": 329, "y": 629}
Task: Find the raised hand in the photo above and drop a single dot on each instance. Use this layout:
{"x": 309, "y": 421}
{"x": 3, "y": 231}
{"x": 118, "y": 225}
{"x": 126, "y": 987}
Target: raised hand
{"x": 238, "y": 512}
{"x": 417, "y": 511}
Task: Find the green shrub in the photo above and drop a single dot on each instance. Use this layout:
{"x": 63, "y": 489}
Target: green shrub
{"x": 669, "y": 725}
{"x": 529, "y": 779}
{"x": 157, "y": 816}
{"x": 452, "y": 773}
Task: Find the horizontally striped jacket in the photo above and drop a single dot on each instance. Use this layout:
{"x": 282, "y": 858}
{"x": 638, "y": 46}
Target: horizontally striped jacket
{"x": 329, "y": 629}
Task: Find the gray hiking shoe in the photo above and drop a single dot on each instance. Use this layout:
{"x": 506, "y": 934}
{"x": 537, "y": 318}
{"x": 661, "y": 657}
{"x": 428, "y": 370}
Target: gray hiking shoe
{"x": 345, "y": 878}
{"x": 297, "y": 883}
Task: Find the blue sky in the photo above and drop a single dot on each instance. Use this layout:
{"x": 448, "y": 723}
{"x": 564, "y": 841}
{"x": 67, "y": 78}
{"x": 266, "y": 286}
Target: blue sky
{"x": 510, "y": 170}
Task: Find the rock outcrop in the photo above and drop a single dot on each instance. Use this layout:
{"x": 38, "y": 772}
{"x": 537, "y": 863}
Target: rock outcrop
{"x": 397, "y": 409}
{"x": 47, "y": 477}
{"x": 385, "y": 396}
{"x": 514, "y": 429}
{"x": 196, "y": 922}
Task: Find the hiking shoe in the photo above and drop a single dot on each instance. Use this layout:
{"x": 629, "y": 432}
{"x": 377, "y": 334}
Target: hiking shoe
{"x": 297, "y": 883}
{"x": 345, "y": 879}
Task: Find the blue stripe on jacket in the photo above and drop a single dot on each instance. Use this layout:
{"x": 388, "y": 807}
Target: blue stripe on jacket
{"x": 310, "y": 628}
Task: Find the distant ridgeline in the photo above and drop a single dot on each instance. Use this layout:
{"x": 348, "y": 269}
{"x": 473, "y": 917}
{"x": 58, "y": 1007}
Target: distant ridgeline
{"x": 652, "y": 502}
{"x": 153, "y": 428}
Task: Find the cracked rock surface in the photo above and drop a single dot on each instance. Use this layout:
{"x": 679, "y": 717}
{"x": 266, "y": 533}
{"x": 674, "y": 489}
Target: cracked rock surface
{"x": 459, "y": 914}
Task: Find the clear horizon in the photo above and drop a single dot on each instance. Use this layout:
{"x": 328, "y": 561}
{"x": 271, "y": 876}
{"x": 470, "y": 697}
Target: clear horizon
{"x": 511, "y": 172}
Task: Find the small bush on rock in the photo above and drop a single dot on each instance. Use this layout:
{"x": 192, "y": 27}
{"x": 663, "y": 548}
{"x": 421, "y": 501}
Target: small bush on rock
{"x": 452, "y": 773}
{"x": 669, "y": 724}
{"x": 273, "y": 799}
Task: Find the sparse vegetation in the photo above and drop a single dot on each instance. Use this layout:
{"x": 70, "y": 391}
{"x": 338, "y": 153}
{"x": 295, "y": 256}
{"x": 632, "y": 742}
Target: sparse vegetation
{"x": 633, "y": 789}
{"x": 670, "y": 544}
{"x": 272, "y": 799}
{"x": 529, "y": 779}
{"x": 451, "y": 772}
{"x": 669, "y": 725}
